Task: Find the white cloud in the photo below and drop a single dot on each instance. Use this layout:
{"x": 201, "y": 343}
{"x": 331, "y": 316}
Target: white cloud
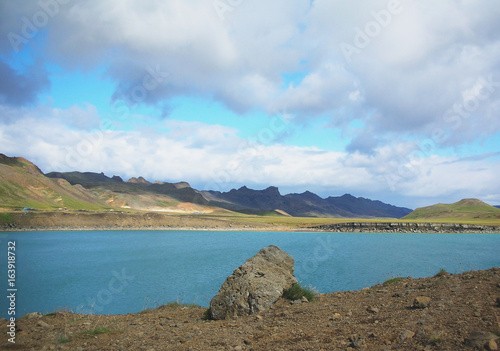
{"x": 423, "y": 56}
{"x": 427, "y": 60}
{"x": 214, "y": 157}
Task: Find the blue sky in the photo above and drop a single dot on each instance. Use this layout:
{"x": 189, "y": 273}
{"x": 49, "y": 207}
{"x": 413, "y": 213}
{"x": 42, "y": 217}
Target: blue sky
{"x": 391, "y": 100}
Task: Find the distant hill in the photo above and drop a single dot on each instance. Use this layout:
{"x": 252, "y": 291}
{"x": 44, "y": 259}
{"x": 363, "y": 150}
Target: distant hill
{"x": 306, "y": 204}
{"x": 463, "y": 209}
{"x": 23, "y": 185}
{"x": 135, "y": 193}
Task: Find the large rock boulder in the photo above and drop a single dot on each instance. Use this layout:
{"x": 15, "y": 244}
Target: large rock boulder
{"x": 255, "y": 285}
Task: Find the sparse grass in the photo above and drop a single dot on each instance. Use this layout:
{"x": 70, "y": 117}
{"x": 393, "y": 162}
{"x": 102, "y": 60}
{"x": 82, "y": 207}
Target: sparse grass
{"x": 436, "y": 339}
{"x": 442, "y": 273}
{"x": 392, "y": 281}
{"x": 172, "y": 305}
{"x": 167, "y": 203}
{"x": 63, "y": 339}
{"x": 297, "y": 291}
{"x": 207, "y": 315}
{"x": 5, "y": 218}
{"x": 97, "y": 331}
{"x": 176, "y": 305}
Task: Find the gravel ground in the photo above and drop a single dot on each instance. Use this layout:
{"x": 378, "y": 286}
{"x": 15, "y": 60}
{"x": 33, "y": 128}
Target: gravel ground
{"x": 447, "y": 312}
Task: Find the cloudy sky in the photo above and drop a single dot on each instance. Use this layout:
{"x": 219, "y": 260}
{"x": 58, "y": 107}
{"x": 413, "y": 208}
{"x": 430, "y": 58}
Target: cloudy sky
{"x": 391, "y": 100}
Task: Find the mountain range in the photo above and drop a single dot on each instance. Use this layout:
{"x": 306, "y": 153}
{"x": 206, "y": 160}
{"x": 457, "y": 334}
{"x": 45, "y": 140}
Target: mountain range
{"x": 23, "y": 184}
{"x": 306, "y": 204}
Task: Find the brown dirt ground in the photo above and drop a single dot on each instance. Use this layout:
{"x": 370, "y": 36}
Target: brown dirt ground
{"x": 376, "y": 318}
{"x": 87, "y": 220}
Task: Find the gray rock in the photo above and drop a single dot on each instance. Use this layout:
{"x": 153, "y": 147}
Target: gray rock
{"x": 33, "y": 315}
{"x": 479, "y": 339}
{"x": 421, "y": 302}
{"x": 255, "y": 285}
{"x": 43, "y": 325}
{"x": 407, "y": 334}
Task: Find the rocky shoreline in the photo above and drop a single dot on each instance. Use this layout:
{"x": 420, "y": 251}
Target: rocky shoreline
{"x": 405, "y": 227}
{"x": 444, "y": 312}
{"x": 83, "y": 220}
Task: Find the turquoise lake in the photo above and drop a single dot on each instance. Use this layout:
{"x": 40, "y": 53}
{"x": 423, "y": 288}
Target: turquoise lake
{"x": 115, "y": 272}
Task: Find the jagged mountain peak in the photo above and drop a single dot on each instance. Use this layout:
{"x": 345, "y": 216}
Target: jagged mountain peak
{"x": 139, "y": 180}
{"x": 306, "y": 204}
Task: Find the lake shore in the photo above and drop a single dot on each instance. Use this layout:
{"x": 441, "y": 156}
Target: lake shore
{"x": 90, "y": 221}
{"x": 457, "y": 312}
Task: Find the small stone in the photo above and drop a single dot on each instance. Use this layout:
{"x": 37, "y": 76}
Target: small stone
{"x": 259, "y": 318}
{"x": 334, "y": 317}
{"x": 304, "y": 299}
{"x": 421, "y": 302}
{"x": 33, "y": 315}
{"x": 407, "y": 334}
{"x": 491, "y": 345}
{"x": 238, "y": 348}
{"x": 479, "y": 339}
{"x": 372, "y": 309}
{"x": 296, "y": 302}
{"x": 43, "y": 325}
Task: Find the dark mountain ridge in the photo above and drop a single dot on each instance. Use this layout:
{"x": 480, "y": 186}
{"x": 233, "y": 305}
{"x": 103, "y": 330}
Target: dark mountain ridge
{"x": 306, "y": 204}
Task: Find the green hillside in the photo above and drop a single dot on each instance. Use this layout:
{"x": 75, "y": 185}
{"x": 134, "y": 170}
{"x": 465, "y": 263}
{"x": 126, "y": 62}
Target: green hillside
{"x": 22, "y": 184}
{"x": 466, "y": 209}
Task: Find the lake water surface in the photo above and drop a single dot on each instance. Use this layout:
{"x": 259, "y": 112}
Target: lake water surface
{"x": 115, "y": 272}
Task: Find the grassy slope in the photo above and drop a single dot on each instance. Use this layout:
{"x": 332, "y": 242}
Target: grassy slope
{"x": 22, "y": 184}
{"x": 464, "y": 211}
{"x": 467, "y": 211}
